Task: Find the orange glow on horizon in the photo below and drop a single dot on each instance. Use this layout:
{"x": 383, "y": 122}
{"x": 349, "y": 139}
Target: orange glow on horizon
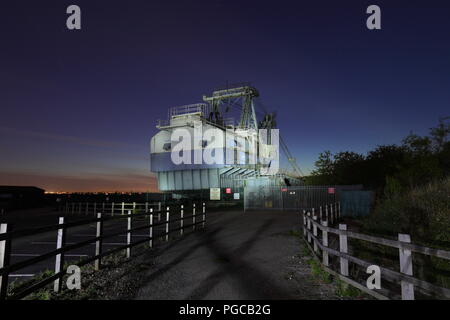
{"x": 114, "y": 183}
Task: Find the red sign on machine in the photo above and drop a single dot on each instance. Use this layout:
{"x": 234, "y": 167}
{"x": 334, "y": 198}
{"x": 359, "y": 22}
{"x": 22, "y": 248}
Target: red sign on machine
{"x": 283, "y": 189}
{"x": 228, "y": 190}
{"x": 331, "y": 190}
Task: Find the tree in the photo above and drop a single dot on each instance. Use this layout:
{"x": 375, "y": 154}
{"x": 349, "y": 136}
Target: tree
{"x": 324, "y": 172}
{"x": 383, "y": 162}
{"x": 349, "y": 168}
{"x": 439, "y": 134}
{"x": 417, "y": 161}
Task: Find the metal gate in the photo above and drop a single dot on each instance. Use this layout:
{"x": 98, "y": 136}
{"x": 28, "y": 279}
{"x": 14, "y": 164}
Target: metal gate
{"x": 292, "y": 198}
{"x": 357, "y": 203}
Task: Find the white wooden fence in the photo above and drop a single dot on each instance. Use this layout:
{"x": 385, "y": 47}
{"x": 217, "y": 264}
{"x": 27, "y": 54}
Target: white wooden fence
{"x": 111, "y": 208}
{"x": 7, "y": 236}
{"x": 314, "y": 223}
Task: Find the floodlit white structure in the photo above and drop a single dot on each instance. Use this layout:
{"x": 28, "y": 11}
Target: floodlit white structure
{"x": 243, "y": 157}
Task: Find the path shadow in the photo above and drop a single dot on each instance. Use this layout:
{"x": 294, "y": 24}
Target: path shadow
{"x": 251, "y": 280}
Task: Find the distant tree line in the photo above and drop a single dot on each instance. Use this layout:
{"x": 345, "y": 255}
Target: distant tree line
{"x": 418, "y": 160}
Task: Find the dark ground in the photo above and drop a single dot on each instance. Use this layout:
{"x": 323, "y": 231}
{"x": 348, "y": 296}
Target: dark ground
{"x": 252, "y": 255}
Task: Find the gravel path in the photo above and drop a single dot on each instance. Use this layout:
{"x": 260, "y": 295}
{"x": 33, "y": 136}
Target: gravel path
{"x": 252, "y": 255}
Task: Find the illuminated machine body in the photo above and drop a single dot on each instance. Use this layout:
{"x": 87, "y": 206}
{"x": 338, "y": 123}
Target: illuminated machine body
{"x": 245, "y": 156}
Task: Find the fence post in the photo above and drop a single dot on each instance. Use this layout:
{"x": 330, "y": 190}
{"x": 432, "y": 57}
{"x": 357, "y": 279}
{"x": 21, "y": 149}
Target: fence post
{"x": 304, "y": 223}
{"x": 406, "y": 267}
{"x": 315, "y": 231}
{"x": 181, "y": 220}
{"x": 339, "y": 207}
{"x": 331, "y": 213}
{"x": 59, "y": 261}
{"x": 309, "y": 226}
{"x": 326, "y": 213}
{"x": 167, "y": 224}
{"x": 336, "y": 216}
{"x": 151, "y": 228}
{"x": 79, "y": 207}
{"x": 193, "y": 217}
{"x": 73, "y": 208}
{"x": 95, "y": 207}
{"x": 129, "y": 234}
{"x": 204, "y": 216}
{"x": 146, "y": 207}
{"x": 5, "y": 250}
{"x": 159, "y": 206}
{"x": 343, "y": 249}
{"x": 98, "y": 242}
{"x": 87, "y": 208}
{"x": 112, "y": 209}
{"x": 103, "y": 207}
{"x": 325, "y": 260}
{"x": 320, "y": 212}
{"x": 339, "y": 210}
{"x": 123, "y": 208}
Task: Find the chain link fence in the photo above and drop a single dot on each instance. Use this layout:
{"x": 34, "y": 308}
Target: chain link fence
{"x": 293, "y": 197}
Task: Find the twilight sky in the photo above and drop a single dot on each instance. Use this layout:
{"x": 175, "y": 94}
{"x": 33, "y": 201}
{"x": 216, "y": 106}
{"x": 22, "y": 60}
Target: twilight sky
{"x": 78, "y": 108}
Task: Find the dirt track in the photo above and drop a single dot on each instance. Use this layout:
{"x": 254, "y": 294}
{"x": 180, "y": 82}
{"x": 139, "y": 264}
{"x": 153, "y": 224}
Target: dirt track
{"x": 251, "y": 255}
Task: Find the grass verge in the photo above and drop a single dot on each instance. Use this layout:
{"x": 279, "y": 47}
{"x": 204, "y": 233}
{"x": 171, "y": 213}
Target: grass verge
{"x": 117, "y": 279}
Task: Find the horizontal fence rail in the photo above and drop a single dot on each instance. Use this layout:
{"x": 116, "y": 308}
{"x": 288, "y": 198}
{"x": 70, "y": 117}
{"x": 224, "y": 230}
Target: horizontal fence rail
{"x": 314, "y": 223}
{"x": 111, "y": 208}
{"x": 182, "y": 224}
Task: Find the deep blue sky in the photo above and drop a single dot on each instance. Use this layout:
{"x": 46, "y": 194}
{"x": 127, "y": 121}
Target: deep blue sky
{"x": 78, "y": 108}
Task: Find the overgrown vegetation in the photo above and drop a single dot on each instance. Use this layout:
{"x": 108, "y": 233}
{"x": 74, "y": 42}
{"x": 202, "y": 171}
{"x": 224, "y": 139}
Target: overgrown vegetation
{"x": 342, "y": 289}
{"x": 44, "y": 294}
{"x": 422, "y": 212}
{"x": 412, "y": 184}
{"x": 318, "y": 272}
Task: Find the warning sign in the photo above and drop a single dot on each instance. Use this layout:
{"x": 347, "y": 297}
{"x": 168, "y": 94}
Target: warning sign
{"x": 331, "y": 190}
{"x": 214, "y": 193}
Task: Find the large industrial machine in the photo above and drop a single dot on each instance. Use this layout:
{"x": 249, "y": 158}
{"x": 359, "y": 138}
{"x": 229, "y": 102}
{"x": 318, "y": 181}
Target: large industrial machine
{"x": 252, "y": 151}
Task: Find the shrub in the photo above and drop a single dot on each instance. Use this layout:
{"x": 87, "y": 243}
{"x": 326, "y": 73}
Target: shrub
{"x": 422, "y": 212}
